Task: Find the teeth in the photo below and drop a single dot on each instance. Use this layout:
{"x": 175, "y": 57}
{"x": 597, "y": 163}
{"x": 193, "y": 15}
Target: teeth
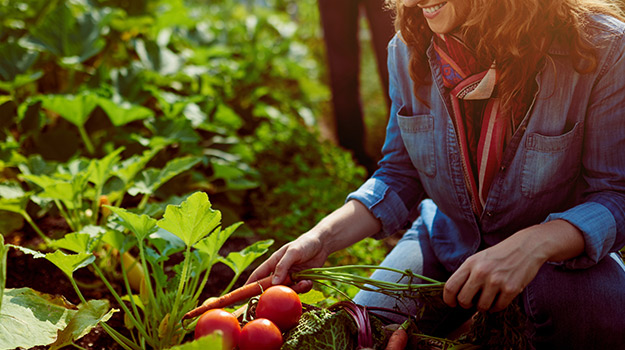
{"x": 434, "y": 8}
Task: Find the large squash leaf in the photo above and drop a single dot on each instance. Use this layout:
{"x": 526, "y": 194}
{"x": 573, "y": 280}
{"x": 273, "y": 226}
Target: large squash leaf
{"x": 29, "y": 318}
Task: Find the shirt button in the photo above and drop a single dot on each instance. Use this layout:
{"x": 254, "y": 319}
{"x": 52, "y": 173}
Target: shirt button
{"x": 489, "y": 214}
{"x": 503, "y": 168}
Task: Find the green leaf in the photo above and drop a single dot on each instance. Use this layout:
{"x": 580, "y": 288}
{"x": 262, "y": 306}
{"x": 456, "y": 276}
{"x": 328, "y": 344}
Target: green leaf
{"x": 153, "y": 179}
{"x": 211, "y": 244}
{"x": 29, "y": 318}
{"x": 55, "y": 188}
{"x": 312, "y": 297}
{"x": 191, "y": 220}
{"x": 239, "y": 261}
{"x": 87, "y": 317}
{"x": 141, "y": 225}
{"x": 211, "y": 341}
{"x": 130, "y": 167}
{"x": 67, "y": 35}
{"x": 70, "y": 263}
{"x": 75, "y": 242}
{"x": 103, "y": 168}
{"x": 15, "y": 60}
{"x": 119, "y": 241}
{"x": 15, "y": 205}
{"x": 123, "y": 112}
{"x": 158, "y": 57}
{"x": 73, "y": 108}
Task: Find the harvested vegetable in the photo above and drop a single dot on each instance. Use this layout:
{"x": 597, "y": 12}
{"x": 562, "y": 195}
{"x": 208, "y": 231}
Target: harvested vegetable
{"x": 281, "y": 305}
{"x": 237, "y": 295}
{"x": 260, "y": 334}
{"x": 399, "y": 338}
{"x": 221, "y": 321}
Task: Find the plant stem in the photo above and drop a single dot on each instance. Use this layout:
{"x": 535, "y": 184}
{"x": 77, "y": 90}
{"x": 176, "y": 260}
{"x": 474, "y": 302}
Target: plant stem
{"x": 80, "y": 296}
{"x": 336, "y": 274}
{"x": 127, "y": 285}
{"x": 229, "y": 287}
{"x": 173, "y": 317}
{"x": 144, "y": 201}
{"x": 86, "y": 139}
{"x": 121, "y": 303}
{"x": 119, "y": 338}
{"x": 78, "y": 346}
{"x": 35, "y": 227}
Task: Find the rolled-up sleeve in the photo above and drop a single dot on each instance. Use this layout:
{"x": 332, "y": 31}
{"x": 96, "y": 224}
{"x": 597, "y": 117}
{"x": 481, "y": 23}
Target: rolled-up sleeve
{"x": 393, "y": 192}
{"x": 601, "y": 215}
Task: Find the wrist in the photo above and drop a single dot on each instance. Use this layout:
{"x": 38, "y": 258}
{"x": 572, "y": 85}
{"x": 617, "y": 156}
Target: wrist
{"x": 555, "y": 241}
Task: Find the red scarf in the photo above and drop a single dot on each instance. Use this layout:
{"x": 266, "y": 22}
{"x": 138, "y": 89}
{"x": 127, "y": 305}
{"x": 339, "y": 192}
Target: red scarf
{"x": 482, "y": 129}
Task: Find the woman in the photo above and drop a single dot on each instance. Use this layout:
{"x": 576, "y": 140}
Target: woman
{"x": 505, "y": 142}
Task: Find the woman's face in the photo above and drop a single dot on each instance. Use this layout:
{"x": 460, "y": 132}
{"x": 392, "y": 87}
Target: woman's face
{"x": 442, "y": 16}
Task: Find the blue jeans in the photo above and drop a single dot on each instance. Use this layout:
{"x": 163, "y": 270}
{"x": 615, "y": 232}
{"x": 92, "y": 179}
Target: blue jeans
{"x": 566, "y": 309}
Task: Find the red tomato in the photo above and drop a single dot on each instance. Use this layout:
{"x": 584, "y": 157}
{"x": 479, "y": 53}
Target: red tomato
{"x": 260, "y": 334}
{"x": 280, "y": 305}
{"x": 219, "y": 320}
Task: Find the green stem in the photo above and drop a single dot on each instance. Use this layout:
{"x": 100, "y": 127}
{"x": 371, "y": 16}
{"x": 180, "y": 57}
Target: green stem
{"x": 78, "y": 346}
{"x": 86, "y": 139}
{"x": 336, "y": 274}
{"x": 80, "y": 296}
{"x": 121, "y": 303}
{"x": 199, "y": 290}
{"x": 229, "y": 287}
{"x": 173, "y": 319}
{"x": 35, "y": 227}
{"x": 65, "y": 214}
{"x": 143, "y": 202}
{"x": 148, "y": 281}
{"x": 119, "y": 338}
{"x": 127, "y": 285}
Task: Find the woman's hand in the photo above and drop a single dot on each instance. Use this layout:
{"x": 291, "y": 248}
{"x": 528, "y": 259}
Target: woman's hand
{"x": 307, "y": 251}
{"x": 499, "y": 273}
{"x": 342, "y": 228}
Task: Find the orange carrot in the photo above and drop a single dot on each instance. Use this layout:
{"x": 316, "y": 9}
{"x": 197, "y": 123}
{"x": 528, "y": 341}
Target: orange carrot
{"x": 237, "y": 295}
{"x": 399, "y": 339}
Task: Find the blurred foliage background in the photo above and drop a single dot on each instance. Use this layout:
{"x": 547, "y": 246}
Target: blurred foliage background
{"x": 237, "y": 89}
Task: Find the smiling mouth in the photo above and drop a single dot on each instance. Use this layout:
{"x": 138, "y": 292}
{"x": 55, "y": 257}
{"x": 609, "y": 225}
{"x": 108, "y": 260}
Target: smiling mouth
{"x": 432, "y": 9}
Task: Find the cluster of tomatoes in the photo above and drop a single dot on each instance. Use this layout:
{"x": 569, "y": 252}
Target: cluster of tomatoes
{"x": 278, "y": 310}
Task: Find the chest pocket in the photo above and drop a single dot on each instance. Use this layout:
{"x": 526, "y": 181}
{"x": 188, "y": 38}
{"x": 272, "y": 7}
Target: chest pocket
{"x": 417, "y": 132}
{"x": 551, "y": 161}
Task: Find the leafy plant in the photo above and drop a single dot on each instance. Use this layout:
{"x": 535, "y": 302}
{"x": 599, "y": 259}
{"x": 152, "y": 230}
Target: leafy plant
{"x": 156, "y": 313}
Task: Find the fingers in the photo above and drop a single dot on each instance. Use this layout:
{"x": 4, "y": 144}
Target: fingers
{"x": 453, "y": 286}
{"x": 267, "y": 267}
{"x": 290, "y": 257}
{"x": 302, "y": 286}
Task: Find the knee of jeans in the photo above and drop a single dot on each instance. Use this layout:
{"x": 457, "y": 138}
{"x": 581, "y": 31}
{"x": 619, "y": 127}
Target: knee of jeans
{"x": 571, "y": 310}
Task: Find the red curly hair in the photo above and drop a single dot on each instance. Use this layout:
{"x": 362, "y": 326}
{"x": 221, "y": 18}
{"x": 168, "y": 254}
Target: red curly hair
{"x": 514, "y": 33}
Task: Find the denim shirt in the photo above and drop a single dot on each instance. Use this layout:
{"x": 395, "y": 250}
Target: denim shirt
{"x": 565, "y": 161}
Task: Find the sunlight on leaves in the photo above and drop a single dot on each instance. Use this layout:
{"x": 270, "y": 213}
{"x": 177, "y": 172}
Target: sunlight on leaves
{"x": 152, "y": 179}
{"x": 192, "y": 219}
{"x": 75, "y": 242}
{"x": 239, "y": 261}
{"x": 68, "y": 263}
{"x": 29, "y": 318}
{"x": 210, "y": 245}
{"x": 73, "y": 108}
{"x": 87, "y": 317}
{"x": 141, "y": 225}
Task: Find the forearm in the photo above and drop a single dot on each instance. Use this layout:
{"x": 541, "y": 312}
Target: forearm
{"x": 552, "y": 241}
{"x": 345, "y": 226}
